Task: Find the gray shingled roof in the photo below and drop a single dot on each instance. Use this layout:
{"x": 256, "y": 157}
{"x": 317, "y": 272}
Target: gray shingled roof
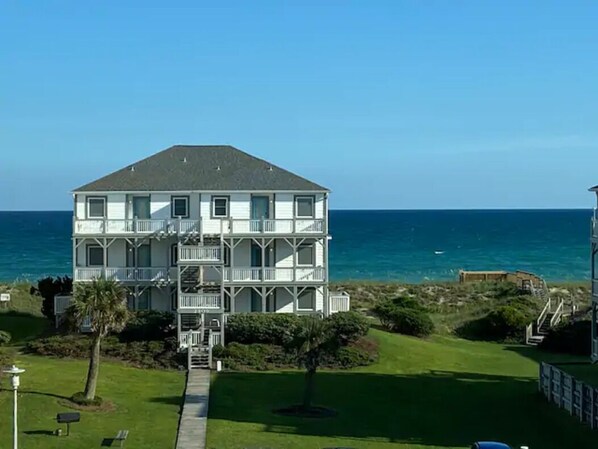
{"x": 200, "y": 167}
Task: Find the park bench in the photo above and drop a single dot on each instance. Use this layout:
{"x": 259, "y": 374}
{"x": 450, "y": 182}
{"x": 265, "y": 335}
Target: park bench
{"x": 121, "y": 436}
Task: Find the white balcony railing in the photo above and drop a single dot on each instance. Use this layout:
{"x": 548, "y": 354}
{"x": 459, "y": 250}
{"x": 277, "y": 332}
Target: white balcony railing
{"x": 274, "y": 274}
{"x": 135, "y": 226}
{"x": 339, "y": 302}
{"x": 189, "y": 338}
{"x": 200, "y": 301}
{"x": 124, "y": 274}
{"x": 188, "y": 253}
{"x": 281, "y": 226}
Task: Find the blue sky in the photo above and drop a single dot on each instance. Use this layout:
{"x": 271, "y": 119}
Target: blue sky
{"x": 391, "y": 104}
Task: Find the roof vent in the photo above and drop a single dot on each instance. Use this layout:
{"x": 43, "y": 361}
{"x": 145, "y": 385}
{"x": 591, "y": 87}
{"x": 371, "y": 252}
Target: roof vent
{"x": 270, "y": 168}
{"x": 132, "y": 168}
{"x": 218, "y": 168}
{"x": 185, "y": 160}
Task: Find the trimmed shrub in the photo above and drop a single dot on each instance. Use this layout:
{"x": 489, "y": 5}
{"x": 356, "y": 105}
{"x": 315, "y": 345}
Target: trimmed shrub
{"x": 348, "y": 326}
{"x": 351, "y": 357}
{"x": 405, "y": 316}
{"x": 412, "y": 322}
{"x": 254, "y": 356}
{"x": 266, "y": 328}
{"x": 148, "y": 325}
{"x": 5, "y": 338}
{"x": 570, "y": 338}
{"x": 507, "y": 322}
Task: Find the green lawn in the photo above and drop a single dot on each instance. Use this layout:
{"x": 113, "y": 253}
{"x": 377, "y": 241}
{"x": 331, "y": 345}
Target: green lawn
{"x": 147, "y": 403}
{"x": 438, "y": 393}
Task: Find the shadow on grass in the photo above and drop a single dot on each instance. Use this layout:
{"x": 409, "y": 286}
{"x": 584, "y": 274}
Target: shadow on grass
{"x": 445, "y": 409}
{"x": 169, "y": 400}
{"x": 39, "y": 432}
{"x": 42, "y": 393}
{"x": 23, "y": 326}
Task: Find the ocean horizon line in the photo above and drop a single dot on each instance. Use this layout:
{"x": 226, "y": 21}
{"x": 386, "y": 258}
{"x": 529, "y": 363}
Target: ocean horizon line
{"x": 489, "y": 209}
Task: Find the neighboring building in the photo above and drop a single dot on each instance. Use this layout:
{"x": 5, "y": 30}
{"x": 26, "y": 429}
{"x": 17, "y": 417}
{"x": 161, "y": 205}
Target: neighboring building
{"x": 594, "y": 256}
{"x": 207, "y": 231}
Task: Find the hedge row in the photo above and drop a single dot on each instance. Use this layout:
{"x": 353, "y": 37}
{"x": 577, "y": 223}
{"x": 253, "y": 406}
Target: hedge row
{"x": 279, "y": 328}
{"x": 261, "y": 357}
{"x": 143, "y": 354}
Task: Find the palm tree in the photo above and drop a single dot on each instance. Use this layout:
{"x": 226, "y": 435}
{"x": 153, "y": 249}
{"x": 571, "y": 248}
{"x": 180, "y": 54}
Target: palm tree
{"x": 312, "y": 340}
{"x": 103, "y": 303}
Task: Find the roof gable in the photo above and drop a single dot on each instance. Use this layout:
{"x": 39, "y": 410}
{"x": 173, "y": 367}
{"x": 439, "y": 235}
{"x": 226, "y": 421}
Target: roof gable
{"x": 201, "y": 167}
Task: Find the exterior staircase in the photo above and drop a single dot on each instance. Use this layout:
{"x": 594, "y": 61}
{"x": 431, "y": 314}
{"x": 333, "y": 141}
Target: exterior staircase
{"x": 551, "y": 315}
{"x": 200, "y": 356}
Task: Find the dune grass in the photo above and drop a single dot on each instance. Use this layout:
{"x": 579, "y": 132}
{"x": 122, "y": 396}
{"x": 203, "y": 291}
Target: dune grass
{"x": 438, "y": 393}
{"x": 147, "y": 402}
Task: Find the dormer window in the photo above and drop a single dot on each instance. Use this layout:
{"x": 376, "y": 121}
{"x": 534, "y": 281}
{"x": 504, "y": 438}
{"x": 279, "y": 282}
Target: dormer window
{"x": 180, "y": 207}
{"x": 96, "y": 207}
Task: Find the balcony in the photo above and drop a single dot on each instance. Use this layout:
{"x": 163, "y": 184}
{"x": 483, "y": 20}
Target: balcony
{"x": 124, "y": 274}
{"x": 200, "y": 254}
{"x": 207, "y": 302}
{"x": 136, "y": 227}
{"x": 276, "y": 227}
{"x": 274, "y": 274}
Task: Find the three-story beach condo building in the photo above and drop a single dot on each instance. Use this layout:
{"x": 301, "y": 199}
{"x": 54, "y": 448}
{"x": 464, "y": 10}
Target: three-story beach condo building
{"x": 204, "y": 232}
{"x": 594, "y": 256}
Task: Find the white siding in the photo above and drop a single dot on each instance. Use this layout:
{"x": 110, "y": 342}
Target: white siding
{"x": 80, "y": 207}
{"x": 160, "y": 206}
{"x": 117, "y": 254}
{"x": 319, "y": 249}
{"x": 284, "y": 254}
{"x": 242, "y": 256}
{"x": 115, "y": 208}
{"x": 194, "y": 206}
{"x": 319, "y": 206}
{"x": 283, "y": 206}
{"x": 284, "y": 301}
{"x": 243, "y": 301}
{"x": 239, "y": 206}
{"x": 160, "y": 299}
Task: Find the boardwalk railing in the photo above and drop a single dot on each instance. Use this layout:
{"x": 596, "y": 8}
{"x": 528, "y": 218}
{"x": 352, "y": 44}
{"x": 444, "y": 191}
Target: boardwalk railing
{"x": 564, "y": 390}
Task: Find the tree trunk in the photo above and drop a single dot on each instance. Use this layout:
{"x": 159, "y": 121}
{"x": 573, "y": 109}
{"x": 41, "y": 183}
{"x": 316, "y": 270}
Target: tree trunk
{"x": 309, "y": 388}
{"x": 94, "y": 369}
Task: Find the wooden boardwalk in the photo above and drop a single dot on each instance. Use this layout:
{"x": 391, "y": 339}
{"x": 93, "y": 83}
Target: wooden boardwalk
{"x": 194, "y": 418}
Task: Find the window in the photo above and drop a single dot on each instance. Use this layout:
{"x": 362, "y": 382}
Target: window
{"x": 304, "y": 206}
{"x": 180, "y": 207}
{"x": 96, "y": 207}
{"x": 174, "y": 254}
{"x": 95, "y": 256}
{"x": 305, "y": 255}
{"x": 220, "y": 206}
{"x": 307, "y": 300}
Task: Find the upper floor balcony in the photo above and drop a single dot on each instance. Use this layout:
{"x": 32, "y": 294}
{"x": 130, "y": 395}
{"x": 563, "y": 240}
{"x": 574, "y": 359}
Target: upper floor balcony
{"x": 206, "y": 302}
{"x": 185, "y": 227}
{"x": 158, "y": 275}
{"x": 135, "y": 226}
{"x": 274, "y": 275}
{"x": 199, "y": 254}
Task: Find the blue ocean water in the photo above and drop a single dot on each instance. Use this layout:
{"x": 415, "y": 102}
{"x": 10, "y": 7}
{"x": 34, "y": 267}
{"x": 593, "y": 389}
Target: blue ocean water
{"x": 372, "y": 245}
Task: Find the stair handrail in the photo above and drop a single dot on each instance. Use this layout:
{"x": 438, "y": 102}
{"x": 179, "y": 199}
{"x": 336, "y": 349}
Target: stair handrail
{"x": 529, "y": 332}
{"x": 543, "y": 314}
{"x": 210, "y": 348}
{"x": 558, "y": 314}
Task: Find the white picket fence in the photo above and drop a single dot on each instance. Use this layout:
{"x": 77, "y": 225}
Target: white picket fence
{"x": 575, "y": 396}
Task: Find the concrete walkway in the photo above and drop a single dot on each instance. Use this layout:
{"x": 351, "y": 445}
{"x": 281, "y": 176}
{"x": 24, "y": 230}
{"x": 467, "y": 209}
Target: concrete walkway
{"x": 194, "y": 419}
